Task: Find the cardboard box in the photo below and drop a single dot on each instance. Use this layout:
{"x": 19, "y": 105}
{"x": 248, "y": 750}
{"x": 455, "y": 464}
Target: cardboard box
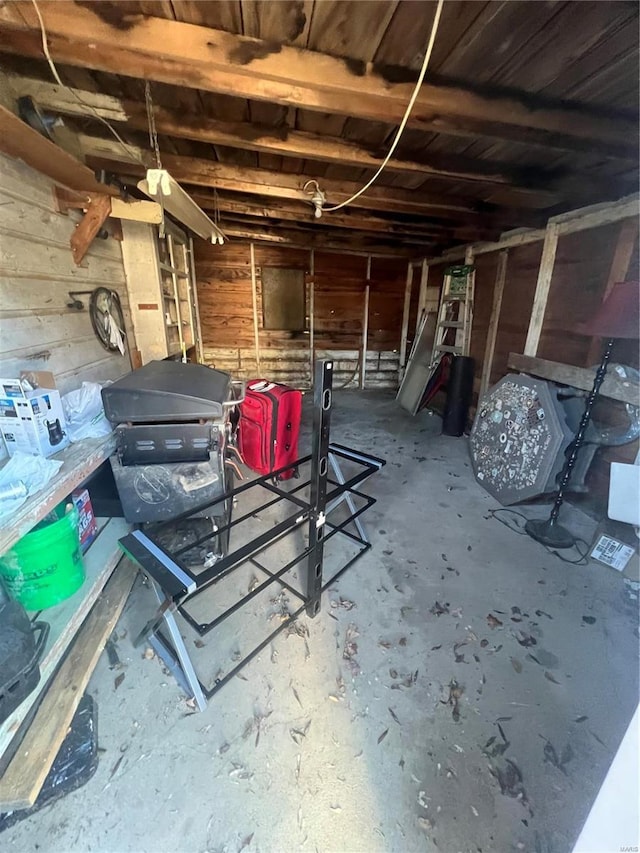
{"x": 87, "y": 524}
{"x": 31, "y": 416}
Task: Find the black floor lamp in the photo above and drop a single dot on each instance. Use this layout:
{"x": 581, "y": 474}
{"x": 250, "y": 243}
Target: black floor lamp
{"x": 617, "y": 317}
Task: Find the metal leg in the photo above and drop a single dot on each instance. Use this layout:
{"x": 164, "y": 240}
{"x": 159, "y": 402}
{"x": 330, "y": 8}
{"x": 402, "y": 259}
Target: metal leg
{"x": 337, "y": 470}
{"x": 318, "y": 484}
{"x": 177, "y": 658}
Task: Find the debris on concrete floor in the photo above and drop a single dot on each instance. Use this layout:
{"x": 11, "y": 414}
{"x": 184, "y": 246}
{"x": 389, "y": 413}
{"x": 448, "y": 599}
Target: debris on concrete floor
{"x": 450, "y": 695}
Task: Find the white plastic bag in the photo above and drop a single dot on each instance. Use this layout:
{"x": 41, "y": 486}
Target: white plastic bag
{"x": 84, "y": 413}
{"x": 23, "y": 476}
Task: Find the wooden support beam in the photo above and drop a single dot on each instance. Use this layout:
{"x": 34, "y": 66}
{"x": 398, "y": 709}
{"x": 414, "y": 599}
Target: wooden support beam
{"x": 492, "y": 331}
{"x": 623, "y": 252}
{"x": 299, "y": 212}
{"x": 422, "y": 295}
{"x": 98, "y": 210}
{"x": 543, "y": 286}
{"x": 365, "y": 327}
{"x": 24, "y": 143}
{"x": 578, "y": 377}
{"x": 106, "y": 153}
{"x": 320, "y": 241}
{"x": 597, "y": 215}
{"x": 312, "y": 287}
{"x": 285, "y": 142}
{"x": 213, "y": 60}
{"x": 576, "y": 220}
{"x": 405, "y": 321}
{"x": 254, "y": 303}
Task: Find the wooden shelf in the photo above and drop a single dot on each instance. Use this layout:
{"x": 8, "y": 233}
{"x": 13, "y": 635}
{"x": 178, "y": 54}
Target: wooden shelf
{"x": 26, "y": 773}
{"x": 79, "y": 461}
{"x": 66, "y": 618}
{"x": 613, "y": 386}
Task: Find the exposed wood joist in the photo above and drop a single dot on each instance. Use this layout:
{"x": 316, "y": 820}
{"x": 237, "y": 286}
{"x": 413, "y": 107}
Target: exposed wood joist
{"x": 291, "y": 212}
{"x": 199, "y": 57}
{"x": 24, "y": 143}
{"x": 104, "y": 153}
{"x": 305, "y": 240}
{"x": 413, "y": 242}
{"x": 281, "y": 141}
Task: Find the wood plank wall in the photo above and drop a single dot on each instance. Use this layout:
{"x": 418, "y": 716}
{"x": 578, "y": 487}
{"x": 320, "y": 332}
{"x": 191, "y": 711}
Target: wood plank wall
{"x": 37, "y": 329}
{"x": 223, "y": 275}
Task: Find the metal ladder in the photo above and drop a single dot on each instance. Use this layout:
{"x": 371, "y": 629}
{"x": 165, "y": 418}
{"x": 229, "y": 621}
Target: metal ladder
{"x": 455, "y": 314}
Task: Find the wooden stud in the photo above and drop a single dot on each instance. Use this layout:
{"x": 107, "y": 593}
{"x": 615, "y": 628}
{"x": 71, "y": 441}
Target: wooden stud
{"x": 365, "y": 326}
{"x": 422, "y": 297}
{"x": 254, "y": 297}
{"x": 543, "y": 285}
{"x": 98, "y": 210}
{"x": 199, "y": 57}
{"x": 405, "y": 319}
{"x": 492, "y": 331}
{"x": 312, "y": 285}
{"x": 622, "y": 255}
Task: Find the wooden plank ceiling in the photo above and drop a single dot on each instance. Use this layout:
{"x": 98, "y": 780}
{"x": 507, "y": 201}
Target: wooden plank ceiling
{"x": 528, "y": 108}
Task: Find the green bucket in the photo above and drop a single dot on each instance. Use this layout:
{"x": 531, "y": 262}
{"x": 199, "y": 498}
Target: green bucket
{"x": 45, "y": 566}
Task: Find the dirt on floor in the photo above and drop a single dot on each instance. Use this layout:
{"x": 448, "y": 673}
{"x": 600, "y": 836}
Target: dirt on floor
{"x": 462, "y": 689}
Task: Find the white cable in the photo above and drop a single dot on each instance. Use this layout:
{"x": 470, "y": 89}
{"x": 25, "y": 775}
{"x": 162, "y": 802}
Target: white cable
{"x": 425, "y": 63}
{"x": 45, "y": 47}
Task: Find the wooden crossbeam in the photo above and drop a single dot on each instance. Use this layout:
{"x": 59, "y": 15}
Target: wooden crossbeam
{"x": 24, "y": 143}
{"x": 282, "y": 141}
{"x": 321, "y": 241}
{"x": 213, "y": 60}
{"x": 107, "y": 154}
{"x": 303, "y": 213}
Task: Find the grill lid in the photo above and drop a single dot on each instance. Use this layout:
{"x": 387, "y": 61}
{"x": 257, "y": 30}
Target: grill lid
{"x": 165, "y": 391}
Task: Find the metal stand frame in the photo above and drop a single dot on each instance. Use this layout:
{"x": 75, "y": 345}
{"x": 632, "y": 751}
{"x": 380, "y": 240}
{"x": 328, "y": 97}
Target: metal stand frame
{"x": 175, "y": 584}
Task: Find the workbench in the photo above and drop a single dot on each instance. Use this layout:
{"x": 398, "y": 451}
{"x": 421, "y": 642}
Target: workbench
{"x": 31, "y": 736}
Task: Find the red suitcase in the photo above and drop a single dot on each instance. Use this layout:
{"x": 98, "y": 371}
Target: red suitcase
{"x": 269, "y": 426}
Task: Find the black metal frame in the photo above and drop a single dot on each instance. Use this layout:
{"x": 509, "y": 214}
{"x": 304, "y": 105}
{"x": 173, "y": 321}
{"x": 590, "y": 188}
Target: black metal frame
{"x": 175, "y": 584}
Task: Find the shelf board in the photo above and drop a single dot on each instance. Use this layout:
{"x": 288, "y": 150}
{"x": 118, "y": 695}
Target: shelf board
{"x": 66, "y": 618}
{"x": 79, "y": 461}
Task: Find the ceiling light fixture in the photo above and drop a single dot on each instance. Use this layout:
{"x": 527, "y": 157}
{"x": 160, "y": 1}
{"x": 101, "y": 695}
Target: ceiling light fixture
{"x": 317, "y": 199}
{"x": 161, "y": 187}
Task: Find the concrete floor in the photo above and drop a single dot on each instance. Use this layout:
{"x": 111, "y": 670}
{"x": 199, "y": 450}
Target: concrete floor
{"x": 459, "y": 733}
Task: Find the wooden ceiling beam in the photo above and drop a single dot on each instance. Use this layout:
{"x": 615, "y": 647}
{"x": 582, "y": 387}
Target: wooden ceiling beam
{"x": 108, "y": 154}
{"x": 24, "y": 143}
{"x": 360, "y": 222}
{"x": 213, "y": 60}
{"x": 326, "y": 227}
{"x": 282, "y": 141}
{"x": 320, "y": 241}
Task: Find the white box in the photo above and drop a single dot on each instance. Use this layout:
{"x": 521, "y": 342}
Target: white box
{"x": 612, "y": 552}
{"x": 31, "y": 416}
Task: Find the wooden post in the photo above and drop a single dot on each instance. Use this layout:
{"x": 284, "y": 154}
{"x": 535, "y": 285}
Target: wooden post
{"x": 312, "y": 284}
{"x": 365, "y": 326}
{"x": 492, "y": 332}
{"x": 617, "y": 272}
{"x": 543, "y": 285}
{"x": 405, "y": 319}
{"x": 254, "y": 294}
{"x": 422, "y": 298}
